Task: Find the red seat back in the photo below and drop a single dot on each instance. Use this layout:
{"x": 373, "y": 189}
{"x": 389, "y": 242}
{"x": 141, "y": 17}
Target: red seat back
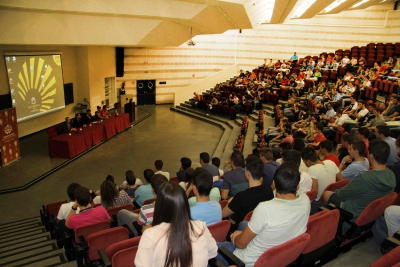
{"x": 175, "y": 179}
{"x": 390, "y": 259}
{"x": 375, "y": 209}
{"x": 125, "y": 257}
{"x": 283, "y": 254}
{"x": 129, "y": 243}
{"x": 335, "y": 186}
{"x": 312, "y": 195}
{"x": 115, "y": 210}
{"x": 51, "y": 132}
{"x": 223, "y": 203}
{"x": 149, "y": 201}
{"x": 219, "y": 230}
{"x": 55, "y": 204}
{"x": 322, "y": 229}
{"x": 86, "y": 230}
{"x": 248, "y": 216}
{"x": 103, "y": 239}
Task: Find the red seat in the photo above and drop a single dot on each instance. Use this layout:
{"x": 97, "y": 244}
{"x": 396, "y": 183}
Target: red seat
{"x": 114, "y": 211}
{"x": 335, "y": 186}
{"x": 220, "y": 230}
{"x": 284, "y": 254}
{"x": 116, "y": 247}
{"x": 175, "y": 179}
{"x": 390, "y": 259}
{"x": 223, "y": 203}
{"x": 312, "y": 195}
{"x": 321, "y": 227}
{"x": 248, "y": 216}
{"x": 51, "y": 132}
{"x": 148, "y": 201}
{"x": 125, "y": 257}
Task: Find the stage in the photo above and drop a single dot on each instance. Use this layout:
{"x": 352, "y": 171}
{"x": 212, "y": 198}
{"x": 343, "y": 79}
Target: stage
{"x": 36, "y": 163}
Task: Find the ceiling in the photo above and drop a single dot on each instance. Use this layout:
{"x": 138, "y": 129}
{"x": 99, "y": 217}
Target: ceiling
{"x": 151, "y": 22}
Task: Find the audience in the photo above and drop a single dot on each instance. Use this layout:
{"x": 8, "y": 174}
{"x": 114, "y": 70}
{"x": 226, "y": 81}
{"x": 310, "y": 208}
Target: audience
{"x": 270, "y": 165}
{"x": 294, "y": 156}
{"x": 144, "y": 192}
{"x": 358, "y": 163}
{"x": 325, "y": 149}
{"x": 234, "y": 181}
{"x": 205, "y": 163}
{"x": 158, "y": 164}
{"x": 185, "y": 163}
{"x": 383, "y": 132}
{"x": 111, "y": 197}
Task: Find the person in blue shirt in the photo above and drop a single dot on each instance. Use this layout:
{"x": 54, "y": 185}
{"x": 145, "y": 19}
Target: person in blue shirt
{"x": 294, "y": 58}
{"x": 144, "y": 192}
{"x": 205, "y": 210}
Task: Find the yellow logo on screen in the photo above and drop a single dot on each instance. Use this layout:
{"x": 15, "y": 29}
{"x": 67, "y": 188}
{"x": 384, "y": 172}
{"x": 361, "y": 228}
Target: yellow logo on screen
{"x": 32, "y": 78}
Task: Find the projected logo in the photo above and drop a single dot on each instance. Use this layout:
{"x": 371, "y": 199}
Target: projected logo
{"x": 36, "y": 84}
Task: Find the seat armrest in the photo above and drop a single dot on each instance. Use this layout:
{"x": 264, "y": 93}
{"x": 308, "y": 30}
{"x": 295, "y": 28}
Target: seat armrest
{"x": 344, "y": 214}
{"x": 131, "y": 234}
{"x": 83, "y": 244}
{"x": 397, "y": 235}
{"x": 390, "y": 243}
{"x": 214, "y": 262}
{"x": 137, "y": 227}
{"x": 104, "y": 258}
{"x": 229, "y": 257}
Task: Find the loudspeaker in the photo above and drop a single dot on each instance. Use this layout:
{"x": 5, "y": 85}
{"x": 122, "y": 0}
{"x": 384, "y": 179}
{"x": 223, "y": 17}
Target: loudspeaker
{"x": 68, "y": 93}
{"x": 119, "y": 61}
{"x": 5, "y": 101}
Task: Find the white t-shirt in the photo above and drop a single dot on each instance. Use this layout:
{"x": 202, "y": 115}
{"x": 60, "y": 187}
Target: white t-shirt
{"x": 166, "y": 174}
{"x": 325, "y": 173}
{"x": 303, "y": 166}
{"x": 275, "y": 222}
{"x": 305, "y": 182}
{"x": 153, "y": 246}
{"x": 65, "y": 209}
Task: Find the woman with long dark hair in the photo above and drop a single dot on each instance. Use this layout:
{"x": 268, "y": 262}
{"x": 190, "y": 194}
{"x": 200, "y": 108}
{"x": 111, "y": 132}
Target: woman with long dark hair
{"x": 175, "y": 240}
{"x": 111, "y": 197}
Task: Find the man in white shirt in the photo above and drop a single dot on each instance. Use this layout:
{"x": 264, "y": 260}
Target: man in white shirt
{"x": 323, "y": 173}
{"x": 345, "y": 60}
{"x": 275, "y": 221}
{"x": 332, "y": 127}
{"x": 305, "y": 183}
{"x": 158, "y": 164}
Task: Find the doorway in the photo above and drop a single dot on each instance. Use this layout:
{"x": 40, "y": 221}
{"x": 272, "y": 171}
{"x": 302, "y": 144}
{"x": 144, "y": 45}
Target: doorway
{"x": 146, "y": 92}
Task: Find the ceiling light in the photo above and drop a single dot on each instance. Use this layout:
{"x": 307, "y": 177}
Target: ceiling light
{"x": 359, "y": 3}
{"x": 333, "y": 5}
{"x": 306, "y": 5}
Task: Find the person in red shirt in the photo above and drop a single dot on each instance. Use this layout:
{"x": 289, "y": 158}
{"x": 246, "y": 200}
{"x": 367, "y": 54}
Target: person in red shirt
{"x": 325, "y": 149}
{"x": 319, "y": 136}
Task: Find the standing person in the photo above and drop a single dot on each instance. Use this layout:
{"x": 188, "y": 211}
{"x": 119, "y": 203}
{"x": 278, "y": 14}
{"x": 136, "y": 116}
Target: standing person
{"x": 175, "y": 239}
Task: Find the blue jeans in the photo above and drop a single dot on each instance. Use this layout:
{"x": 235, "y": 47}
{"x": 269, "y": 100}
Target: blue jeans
{"x": 231, "y": 247}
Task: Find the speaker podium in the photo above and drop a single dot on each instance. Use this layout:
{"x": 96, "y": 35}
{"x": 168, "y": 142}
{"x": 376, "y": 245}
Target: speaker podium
{"x": 130, "y": 109}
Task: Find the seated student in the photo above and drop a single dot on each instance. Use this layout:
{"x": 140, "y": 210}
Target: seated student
{"x": 270, "y": 165}
{"x": 358, "y": 164}
{"x": 87, "y": 214}
{"x": 383, "y": 132}
{"x": 205, "y": 163}
{"x": 175, "y": 239}
{"x": 332, "y": 127}
{"x": 325, "y": 149}
{"x": 273, "y": 222}
{"x": 185, "y": 163}
{"x": 131, "y": 185}
{"x": 305, "y": 183}
{"x": 111, "y": 197}
{"x": 234, "y": 180}
{"x": 145, "y": 216}
{"x": 343, "y": 147}
{"x": 285, "y": 146}
{"x": 187, "y": 181}
{"x": 387, "y": 225}
{"x": 110, "y": 178}
{"x": 362, "y": 134}
{"x": 322, "y": 173}
{"x": 204, "y": 209}
{"x": 137, "y": 181}
{"x": 217, "y": 162}
{"x": 247, "y": 200}
{"x": 318, "y": 135}
{"x": 158, "y": 164}
{"x": 144, "y": 192}
{"x": 367, "y": 186}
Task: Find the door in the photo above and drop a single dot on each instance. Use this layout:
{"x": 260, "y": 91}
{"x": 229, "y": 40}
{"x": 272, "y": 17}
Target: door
{"x": 146, "y": 92}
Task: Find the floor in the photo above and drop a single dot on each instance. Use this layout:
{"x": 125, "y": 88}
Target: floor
{"x": 165, "y": 135}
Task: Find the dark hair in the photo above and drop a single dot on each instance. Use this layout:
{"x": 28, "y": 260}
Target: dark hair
{"x": 110, "y": 178}
{"x": 82, "y": 196}
{"x": 288, "y": 131}
{"x": 205, "y": 157}
{"x": 326, "y": 144}
{"x": 216, "y": 161}
{"x": 292, "y": 155}
{"x": 285, "y": 146}
{"x": 108, "y": 193}
{"x": 309, "y": 153}
{"x": 203, "y": 181}
{"x": 148, "y": 173}
{"x": 287, "y": 178}
{"x": 98, "y": 107}
{"x": 158, "y": 164}
{"x": 186, "y": 163}
{"x": 237, "y": 158}
{"x": 130, "y": 177}
{"x": 319, "y": 126}
{"x": 255, "y": 166}
{"x": 298, "y": 144}
{"x": 359, "y": 146}
{"x": 364, "y": 132}
{"x": 398, "y": 141}
{"x": 347, "y": 138}
{"x": 172, "y": 207}
{"x": 266, "y": 152}
{"x": 71, "y": 190}
{"x": 188, "y": 176}
{"x": 380, "y": 150}
{"x": 383, "y": 129}
{"x": 339, "y": 111}
{"x": 378, "y": 110}
{"x": 156, "y": 181}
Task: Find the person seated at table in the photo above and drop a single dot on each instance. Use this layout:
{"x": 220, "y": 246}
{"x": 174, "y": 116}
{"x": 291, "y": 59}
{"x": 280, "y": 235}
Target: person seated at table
{"x": 104, "y": 111}
{"x": 98, "y": 114}
{"x": 78, "y": 122}
{"x": 88, "y": 117}
{"x": 67, "y": 126}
